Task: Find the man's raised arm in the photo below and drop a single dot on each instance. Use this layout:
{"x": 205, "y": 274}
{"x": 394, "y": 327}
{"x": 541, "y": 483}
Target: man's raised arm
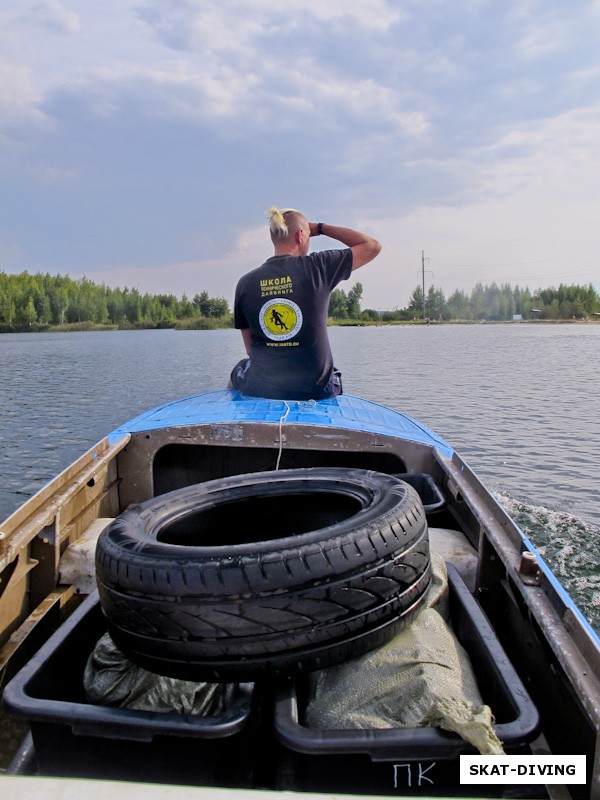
{"x": 364, "y": 248}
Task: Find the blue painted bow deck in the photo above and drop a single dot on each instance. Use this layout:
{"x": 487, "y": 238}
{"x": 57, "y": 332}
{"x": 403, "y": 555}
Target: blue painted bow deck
{"x": 229, "y": 406}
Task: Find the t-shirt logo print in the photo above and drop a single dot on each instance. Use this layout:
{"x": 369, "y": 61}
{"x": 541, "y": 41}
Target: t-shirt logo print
{"x": 280, "y": 319}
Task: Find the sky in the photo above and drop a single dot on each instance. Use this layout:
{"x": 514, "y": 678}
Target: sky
{"x": 143, "y": 141}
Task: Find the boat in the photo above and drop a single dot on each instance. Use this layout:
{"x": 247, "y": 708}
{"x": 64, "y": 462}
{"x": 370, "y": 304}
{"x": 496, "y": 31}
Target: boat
{"x": 535, "y": 658}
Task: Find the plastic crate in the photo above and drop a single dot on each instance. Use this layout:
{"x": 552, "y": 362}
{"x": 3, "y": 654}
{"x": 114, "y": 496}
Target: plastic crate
{"x": 432, "y": 498}
{"x": 390, "y": 760}
{"x": 74, "y": 737}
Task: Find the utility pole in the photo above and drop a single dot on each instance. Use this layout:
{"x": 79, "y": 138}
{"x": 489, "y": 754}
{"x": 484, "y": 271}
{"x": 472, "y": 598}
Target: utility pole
{"x": 423, "y": 273}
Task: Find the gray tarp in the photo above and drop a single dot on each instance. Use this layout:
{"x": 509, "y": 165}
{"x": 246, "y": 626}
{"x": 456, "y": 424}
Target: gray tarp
{"x": 111, "y": 679}
{"x": 423, "y": 677}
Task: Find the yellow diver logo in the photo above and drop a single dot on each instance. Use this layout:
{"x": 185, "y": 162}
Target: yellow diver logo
{"x": 280, "y": 319}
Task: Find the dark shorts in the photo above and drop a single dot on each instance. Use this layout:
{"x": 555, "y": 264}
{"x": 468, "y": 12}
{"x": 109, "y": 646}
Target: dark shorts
{"x": 239, "y": 374}
{"x": 334, "y": 386}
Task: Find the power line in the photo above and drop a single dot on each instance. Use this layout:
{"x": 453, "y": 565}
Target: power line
{"x": 522, "y": 263}
{"x": 504, "y": 279}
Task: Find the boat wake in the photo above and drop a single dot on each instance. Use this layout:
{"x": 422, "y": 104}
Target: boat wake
{"x": 569, "y": 545}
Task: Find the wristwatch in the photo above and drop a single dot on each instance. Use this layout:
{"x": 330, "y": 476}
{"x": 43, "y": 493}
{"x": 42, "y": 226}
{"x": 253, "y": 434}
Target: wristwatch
{"x": 320, "y": 228}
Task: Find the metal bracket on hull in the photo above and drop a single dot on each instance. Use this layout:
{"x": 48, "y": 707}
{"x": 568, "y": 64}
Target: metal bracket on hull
{"x": 529, "y": 570}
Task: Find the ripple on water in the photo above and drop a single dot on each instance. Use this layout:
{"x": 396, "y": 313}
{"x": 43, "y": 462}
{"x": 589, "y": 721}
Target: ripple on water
{"x": 569, "y": 545}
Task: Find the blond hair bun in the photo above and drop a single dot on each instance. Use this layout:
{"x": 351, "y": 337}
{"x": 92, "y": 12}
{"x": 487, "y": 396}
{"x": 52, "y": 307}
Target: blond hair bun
{"x": 277, "y": 223}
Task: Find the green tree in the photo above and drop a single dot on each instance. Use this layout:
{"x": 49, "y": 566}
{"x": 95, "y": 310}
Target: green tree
{"x": 415, "y": 305}
{"x": 523, "y": 301}
{"x": 219, "y": 307}
{"x": 478, "y": 302}
{"x": 508, "y": 305}
{"x": 151, "y": 309}
{"x": 354, "y": 297}
{"x": 458, "y": 306}
{"x": 7, "y": 307}
{"x": 338, "y": 304}
{"x": 186, "y": 308}
{"x": 59, "y": 302}
{"x": 202, "y": 303}
{"x": 132, "y": 302}
{"x": 436, "y": 303}
{"x": 371, "y": 315}
{"x": 28, "y": 314}
{"x": 115, "y": 303}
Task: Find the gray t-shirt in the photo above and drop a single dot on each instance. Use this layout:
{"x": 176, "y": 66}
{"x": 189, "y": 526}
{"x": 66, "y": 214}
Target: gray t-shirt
{"x": 285, "y": 303}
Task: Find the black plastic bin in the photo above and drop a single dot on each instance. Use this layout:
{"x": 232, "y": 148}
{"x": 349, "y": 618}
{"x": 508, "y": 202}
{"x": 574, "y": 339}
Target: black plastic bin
{"x": 74, "y": 737}
{"x": 405, "y": 759}
{"x": 431, "y": 496}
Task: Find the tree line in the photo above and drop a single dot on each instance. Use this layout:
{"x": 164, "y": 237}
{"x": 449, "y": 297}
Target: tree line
{"x": 40, "y": 301}
{"x": 490, "y": 302}
{"x": 34, "y": 302}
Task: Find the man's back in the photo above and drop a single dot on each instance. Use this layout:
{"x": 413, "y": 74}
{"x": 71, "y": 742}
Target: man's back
{"x": 281, "y": 309}
{"x": 284, "y": 303}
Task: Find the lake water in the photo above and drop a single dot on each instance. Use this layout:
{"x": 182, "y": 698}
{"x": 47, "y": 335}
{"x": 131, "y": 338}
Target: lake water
{"x": 521, "y": 403}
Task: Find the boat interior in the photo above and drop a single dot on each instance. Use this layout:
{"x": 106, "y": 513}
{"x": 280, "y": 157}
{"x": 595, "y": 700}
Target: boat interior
{"x": 505, "y": 605}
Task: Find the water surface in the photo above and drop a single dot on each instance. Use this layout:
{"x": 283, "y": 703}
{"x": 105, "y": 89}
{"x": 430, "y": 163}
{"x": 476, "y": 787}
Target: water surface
{"x": 521, "y": 404}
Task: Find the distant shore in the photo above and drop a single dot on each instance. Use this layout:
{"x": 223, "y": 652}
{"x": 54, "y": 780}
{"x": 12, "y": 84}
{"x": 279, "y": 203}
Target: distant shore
{"x": 202, "y": 324}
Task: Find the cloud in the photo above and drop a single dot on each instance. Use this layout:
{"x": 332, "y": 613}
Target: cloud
{"x": 238, "y": 28}
{"x": 543, "y": 29}
{"x": 20, "y": 100}
{"x": 52, "y": 17}
{"x": 218, "y": 275}
{"x": 530, "y": 222}
{"x": 269, "y": 66}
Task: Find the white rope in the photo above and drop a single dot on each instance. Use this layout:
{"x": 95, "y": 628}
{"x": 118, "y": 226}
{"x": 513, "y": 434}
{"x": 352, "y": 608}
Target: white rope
{"x": 306, "y": 404}
{"x": 281, "y": 421}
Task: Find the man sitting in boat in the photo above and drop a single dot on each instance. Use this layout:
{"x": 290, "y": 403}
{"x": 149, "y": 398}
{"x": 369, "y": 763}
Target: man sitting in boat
{"x": 282, "y": 306}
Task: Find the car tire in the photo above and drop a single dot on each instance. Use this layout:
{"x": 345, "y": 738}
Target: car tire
{"x": 264, "y": 573}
